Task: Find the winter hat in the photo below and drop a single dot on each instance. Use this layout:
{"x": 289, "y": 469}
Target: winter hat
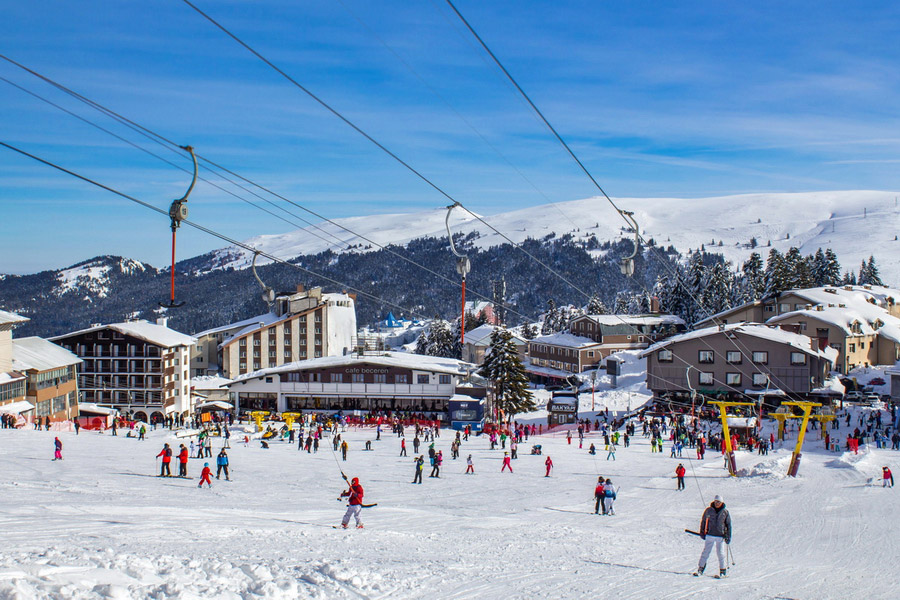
{"x": 205, "y": 464}
{"x": 718, "y": 498}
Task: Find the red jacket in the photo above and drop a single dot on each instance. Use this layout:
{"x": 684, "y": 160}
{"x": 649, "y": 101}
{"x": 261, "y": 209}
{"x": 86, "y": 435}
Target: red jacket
{"x": 679, "y": 471}
{"x": 183, "y": 456}
{"x": 548, "y": 462}
{"x": 166, "y": 454}
{"x": 205, "y": 474}
{"x": 356, "y": 494}
{"x": 887, "y": 474}
{"x": 598, "y": 491}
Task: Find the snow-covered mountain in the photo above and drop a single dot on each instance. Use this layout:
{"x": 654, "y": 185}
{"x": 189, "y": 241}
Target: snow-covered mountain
{"x": 855, "y": 224}
{"x": 92, "y": 277}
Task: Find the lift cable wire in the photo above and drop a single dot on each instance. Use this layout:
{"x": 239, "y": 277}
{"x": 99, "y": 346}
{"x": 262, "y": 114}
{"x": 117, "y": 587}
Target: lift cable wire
{"x": 170, "y": 145}
{"x": 745, "y": 351}
{"x": 382, "y": 147}
{"x": 212, "y": 232}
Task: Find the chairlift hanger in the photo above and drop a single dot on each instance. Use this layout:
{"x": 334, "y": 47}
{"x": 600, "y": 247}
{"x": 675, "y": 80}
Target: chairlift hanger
{"x": 268, "y": 295}
{"x": 626, "y": 266}
{"x": 463, "y": 266}
{"x": 178, "y": 212}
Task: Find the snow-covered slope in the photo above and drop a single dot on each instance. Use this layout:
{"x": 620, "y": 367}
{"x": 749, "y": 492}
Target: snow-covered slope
{"x": 854, "y": 224}
{"x": 92, "y": 276}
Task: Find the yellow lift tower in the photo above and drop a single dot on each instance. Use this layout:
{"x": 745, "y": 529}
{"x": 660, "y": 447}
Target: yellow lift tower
{"x": 723, "y": 414}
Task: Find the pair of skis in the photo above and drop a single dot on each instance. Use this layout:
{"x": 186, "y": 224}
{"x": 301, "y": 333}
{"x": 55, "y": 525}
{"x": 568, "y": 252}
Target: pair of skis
{"x": 722, "y": 572}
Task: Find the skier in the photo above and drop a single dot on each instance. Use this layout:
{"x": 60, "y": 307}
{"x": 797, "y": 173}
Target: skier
{"x": 166, "y": 454}
{"x": 402, "y": 446}
{"x": 141, "y": 433}
{"x": 548, "y": 463}
{"x": 57, "y": 454}
{"x": 222, "y": 464}
{"x": 715, "y": 528}
{"x": 470, "y": 467}
{"x": 207, "y": 447}
{"x": 416, "y": 444}
{"x": 344, "y": 447}
{"x": 598, "y": 497}
{"x": 679, "y": 473}
{"x": 77, "y": 426}
{"x": 420, "y": 461}
{"x": 354, "y": 508}
{"x": 506, "y": 463}
{"x": 182, "y": 461}
{"x": 612, "y": 452}
{"x": 592, "y": 450}
{"x": 888, "y": 479}
{"x": 205, "y": 476}
{"x": 609, "y": 495}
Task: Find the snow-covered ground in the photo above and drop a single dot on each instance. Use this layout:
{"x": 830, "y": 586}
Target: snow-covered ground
{"x": 100, "y": 525}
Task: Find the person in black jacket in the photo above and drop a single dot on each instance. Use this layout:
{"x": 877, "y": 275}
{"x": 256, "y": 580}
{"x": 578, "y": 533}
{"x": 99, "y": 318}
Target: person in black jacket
{"x": 715, "y": 528}
{"x": 419, "y": 462}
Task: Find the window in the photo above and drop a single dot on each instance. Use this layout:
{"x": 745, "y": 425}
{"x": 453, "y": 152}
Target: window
{"x": 851, "y": 347}
{"x": 798, "y": 358}
{"x": 733, "y": 357}
{"x": 380, "y": 378}
{"x": 706, "y": 378}
{"x": 784, "y": 307}
{"x": 706, "y": 357}
{"x": 268, "y": 380}
{"x": 444, "y": 379}
{"x": 761, "y": 358}
{"x": 318, "y": 354}
{"x": 337, "y": 378}
{"x": 759, "y": 380}
{"x": 200, "y": 349}
{"x": 318, "y": 318}
{"x": 242, "y": 342}
{"x": 271, "y": 332}
{"x": 243, "y": 366}
{"x": 256, "y": 342}
{"x": 256, "y": 365}
{"x": 664, "y": 356}
{"x": 401, "y": 379}
{"x": 862, "y": 345}
{"x": 272, "y": 354}
{"x": 590, "y": 354}
{"x": 770, "y": 308}
{"x": 287, "y": 331}
{"x": 799, "y": 306}
{"x": 421, "y": 378}
{"x": 802, "y": 325}
{"x": 733, "y": 378}
{"x": 359, "y": 378}
{"x": 287, "y": 353}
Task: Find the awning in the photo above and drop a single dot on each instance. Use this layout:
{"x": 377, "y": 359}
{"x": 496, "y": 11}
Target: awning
{"x": 90, "y": 407}
{"x": 216, "y": 404}
{"x": 16, "y": 407}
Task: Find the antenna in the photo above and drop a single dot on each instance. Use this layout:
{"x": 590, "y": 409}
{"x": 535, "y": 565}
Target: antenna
{"x": 178, "y": 212}
{"x": 463, "y": 266}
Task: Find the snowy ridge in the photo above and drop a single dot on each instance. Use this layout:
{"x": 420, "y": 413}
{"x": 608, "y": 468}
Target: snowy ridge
{"x": 855, "y": 224}
{"x": 92, "y": 277}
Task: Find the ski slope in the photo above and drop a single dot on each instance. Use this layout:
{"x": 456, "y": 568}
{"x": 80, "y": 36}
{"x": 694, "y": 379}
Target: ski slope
{"x": 100, "y": 525}
{"x": 855, "y": 224}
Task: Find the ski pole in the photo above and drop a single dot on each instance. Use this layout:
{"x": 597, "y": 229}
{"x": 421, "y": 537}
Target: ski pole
{"x": 730, "y": 553}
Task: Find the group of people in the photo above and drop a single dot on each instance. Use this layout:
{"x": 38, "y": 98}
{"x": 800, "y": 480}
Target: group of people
{"x": 166, "y": 454}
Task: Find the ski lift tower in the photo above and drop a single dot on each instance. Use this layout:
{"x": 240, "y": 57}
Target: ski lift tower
{"x": 723, "y": 414}
{"x": 463, "y": 266}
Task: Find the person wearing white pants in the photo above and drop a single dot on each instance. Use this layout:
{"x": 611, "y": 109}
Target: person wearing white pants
{"x": 353, "y": 510}
{"x": 715, "y": 528}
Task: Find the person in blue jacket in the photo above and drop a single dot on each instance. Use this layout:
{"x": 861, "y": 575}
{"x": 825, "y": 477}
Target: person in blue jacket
{"x": 222, "y": 464}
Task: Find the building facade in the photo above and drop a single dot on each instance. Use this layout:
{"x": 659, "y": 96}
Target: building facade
{"x": 136, "y": 367}
{"x": 304, "y": 325}
{"x": 12, "y": 383}
{"x": 390, "y": 382}
{"x": 52, "y": 377}
{"x": 736, "y": 361}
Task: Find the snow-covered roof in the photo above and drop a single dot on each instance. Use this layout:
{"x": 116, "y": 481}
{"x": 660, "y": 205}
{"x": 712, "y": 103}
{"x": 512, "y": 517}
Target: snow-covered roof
{"x": 565, "y": 339}
{"x": 567, "y": 400}
{"x": 406, "y": 360}
{"x": 795, "y": 340}
{"x": 481, "y": 335}
{"x": 478, "y": 305}
{"x": 209, "y": 382}
{"x": 143, "y": 330}
{"x": 265, "y": 318}
{"x": 637, "y": 319}
{"x": 9, "y": 318}
{"x": 41, "y": 355}
{"x": 10, "y": 376}
{"x": 216, "y": 404}
{"x": 15, "y": 408}
{"x": 842, "y": 318}
{"x": 90, "y": 407}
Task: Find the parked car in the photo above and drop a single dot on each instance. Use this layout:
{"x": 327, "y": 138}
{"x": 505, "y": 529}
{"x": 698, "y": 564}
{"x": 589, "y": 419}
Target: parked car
{"x": 872, "y": 399}
{"x": 853, "y": 396}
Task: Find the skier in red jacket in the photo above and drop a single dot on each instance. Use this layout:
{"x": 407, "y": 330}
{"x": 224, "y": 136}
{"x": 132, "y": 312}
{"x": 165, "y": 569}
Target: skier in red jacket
{"x": 166, "y": 454}
{"x": 182, "y": 461}
{"x": 506, "y": 463}
{"x": 354, "y": 508}
{"x": 888, "y": 479}
{"x": 205, "y": 476}
{"x": 679, "y": 473}
{"x": 549, "y": 464}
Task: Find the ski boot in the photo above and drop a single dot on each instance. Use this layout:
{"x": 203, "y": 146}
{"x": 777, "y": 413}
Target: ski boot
{"x": 360, "y": 526}
{"x": 343, "y": 526}
{"x": 699, "y": 571}
{"x": 722, "y": 574}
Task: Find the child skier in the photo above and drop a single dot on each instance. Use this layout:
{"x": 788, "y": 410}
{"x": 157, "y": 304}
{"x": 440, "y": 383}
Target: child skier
{"x": 470, "y": 467}
{"x": 548, "y": 463}
{"x": 205, "y": 476}
{"x": 506, "y": 463}
{"x": 888, "y": 479}
{"x": 57, "y": 454}
{"x": 354, "y": 508}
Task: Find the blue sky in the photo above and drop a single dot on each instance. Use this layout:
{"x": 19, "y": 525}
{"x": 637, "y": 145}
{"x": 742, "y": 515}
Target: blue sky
{"x": 657, "y": 98}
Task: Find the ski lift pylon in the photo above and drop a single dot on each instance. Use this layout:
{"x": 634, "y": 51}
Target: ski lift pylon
{"x": 178, "y": 212}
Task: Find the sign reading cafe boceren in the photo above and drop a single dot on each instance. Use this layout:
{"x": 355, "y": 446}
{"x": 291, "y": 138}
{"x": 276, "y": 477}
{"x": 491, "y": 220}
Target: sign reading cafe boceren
{"x": 358, "y": 370}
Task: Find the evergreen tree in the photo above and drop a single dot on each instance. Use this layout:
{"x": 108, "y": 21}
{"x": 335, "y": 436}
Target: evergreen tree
{"x": 868, "y": 273}
{"x": 776, "y": 277}
{"x": 550, "y": 318}
{"x": 529, "y": 331}
{"x": 754, "y": 281}
{"x": 507, "y": 376}
{"x": 832, "y": 271}
{"x": 718, "y": 289}
{"x": 595, "y": 306}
